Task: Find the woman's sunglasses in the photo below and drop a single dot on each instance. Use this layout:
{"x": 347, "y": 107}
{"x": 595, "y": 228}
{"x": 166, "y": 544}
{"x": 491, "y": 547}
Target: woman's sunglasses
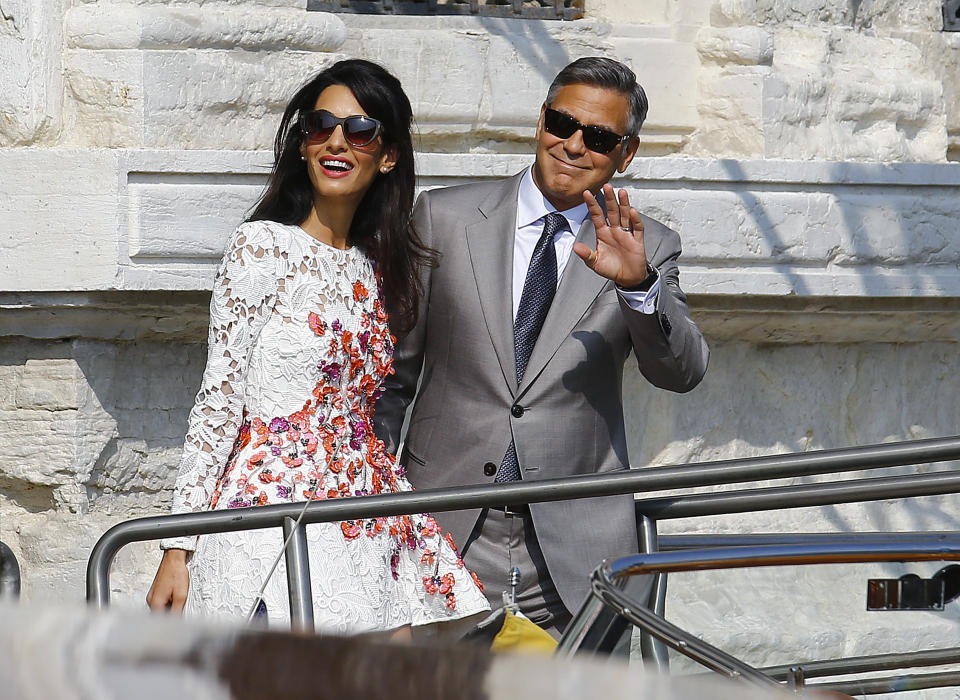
{"x": 596, "y": 139}
{"x": 357, "y": 130}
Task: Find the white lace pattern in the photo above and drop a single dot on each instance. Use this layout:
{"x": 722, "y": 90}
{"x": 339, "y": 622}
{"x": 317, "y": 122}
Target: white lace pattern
{"x": 298, "y": 349}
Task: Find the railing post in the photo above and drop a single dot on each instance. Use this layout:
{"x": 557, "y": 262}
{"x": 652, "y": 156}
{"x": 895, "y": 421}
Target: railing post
{"x": 585, "y": 629}
{"x": 9, "y": 573}
{"x": 653, "y": 650}
{"x": 298, "y": 576}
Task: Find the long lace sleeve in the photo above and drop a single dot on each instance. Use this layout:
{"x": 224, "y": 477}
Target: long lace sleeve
{"x": 244, "y": 294}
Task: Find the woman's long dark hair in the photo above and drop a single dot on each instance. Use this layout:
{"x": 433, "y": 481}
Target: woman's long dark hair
{"x": 382, "y": 226}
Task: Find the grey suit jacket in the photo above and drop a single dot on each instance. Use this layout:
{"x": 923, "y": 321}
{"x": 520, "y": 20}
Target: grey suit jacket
{"x": 462, "y": 354}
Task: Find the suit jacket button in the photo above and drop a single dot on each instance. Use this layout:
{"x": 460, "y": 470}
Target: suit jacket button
{"x": 489, "y": 469}
{"x": 516, "y": 410}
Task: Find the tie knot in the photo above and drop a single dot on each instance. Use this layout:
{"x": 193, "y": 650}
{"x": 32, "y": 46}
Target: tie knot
{"x": 553, "y": 222}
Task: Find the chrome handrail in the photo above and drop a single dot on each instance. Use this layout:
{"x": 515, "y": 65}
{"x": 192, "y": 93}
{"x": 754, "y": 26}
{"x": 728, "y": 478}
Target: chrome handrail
{"x": 608, "y": 580}
{"x": 574, "y": 487}
{"x": 587, "y": 486}
{"x": 868, "y": 664}
{"x": 800, "y": 495}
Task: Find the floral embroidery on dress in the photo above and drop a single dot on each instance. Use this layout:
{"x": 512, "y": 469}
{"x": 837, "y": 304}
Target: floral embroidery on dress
{"x": 299, "y": 347}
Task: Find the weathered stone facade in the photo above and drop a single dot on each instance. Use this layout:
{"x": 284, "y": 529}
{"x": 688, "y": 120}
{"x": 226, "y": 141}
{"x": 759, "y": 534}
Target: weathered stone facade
{"x": 801, "y": 149}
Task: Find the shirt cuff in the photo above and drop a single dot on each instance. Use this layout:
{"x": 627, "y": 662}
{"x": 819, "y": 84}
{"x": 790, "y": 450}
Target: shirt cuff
{"x": 646, "y": 301}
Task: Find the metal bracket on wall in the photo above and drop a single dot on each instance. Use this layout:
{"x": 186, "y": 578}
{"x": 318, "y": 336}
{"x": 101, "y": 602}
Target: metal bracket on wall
{"x": 951, "y": 15}
{"x": 910, "y": 592}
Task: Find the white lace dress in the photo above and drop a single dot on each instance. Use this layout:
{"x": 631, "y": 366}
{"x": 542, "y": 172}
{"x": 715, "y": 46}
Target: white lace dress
{"x": 298, "y": 349}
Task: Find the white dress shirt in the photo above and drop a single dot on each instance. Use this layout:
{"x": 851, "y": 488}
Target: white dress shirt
{"x": 532, "y": 207}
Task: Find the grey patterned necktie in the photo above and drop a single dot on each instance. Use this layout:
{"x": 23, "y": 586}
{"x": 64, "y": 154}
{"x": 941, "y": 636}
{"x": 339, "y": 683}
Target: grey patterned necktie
{"x": 539, "y": 286}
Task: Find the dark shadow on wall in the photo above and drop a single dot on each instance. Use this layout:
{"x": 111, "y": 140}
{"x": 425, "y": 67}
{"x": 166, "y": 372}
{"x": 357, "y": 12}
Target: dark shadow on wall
{"x": 534, "y": 42}
{"x": 147, "y": 388}
{"x": 919, "y": 220}
{"x": 916, "y": 222}
{"x": 28, "y": 417}
{"x": 755, "y": 210}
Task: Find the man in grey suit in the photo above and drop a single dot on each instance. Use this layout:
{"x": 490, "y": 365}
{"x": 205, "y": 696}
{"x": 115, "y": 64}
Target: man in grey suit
{"x": 545, "y": 282}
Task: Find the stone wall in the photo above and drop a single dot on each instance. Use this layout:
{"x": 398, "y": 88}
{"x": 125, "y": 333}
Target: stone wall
{"x": 800, "y": 148}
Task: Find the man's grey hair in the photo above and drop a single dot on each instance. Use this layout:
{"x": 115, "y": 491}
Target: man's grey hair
{"x": 601, "y": 72}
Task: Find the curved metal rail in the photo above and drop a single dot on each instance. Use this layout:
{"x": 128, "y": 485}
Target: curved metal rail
{"x": 629, "y": 481}
{"x": 608, "y": 580}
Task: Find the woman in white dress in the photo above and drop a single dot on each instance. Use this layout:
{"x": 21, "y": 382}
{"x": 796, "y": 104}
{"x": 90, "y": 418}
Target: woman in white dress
{"x": 299, "y": 345}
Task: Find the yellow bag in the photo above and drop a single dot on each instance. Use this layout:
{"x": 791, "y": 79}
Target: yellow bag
{"x": 518, "y": 634}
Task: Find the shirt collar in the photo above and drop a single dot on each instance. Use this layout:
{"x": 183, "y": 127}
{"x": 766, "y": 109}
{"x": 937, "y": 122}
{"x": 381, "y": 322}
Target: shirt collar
{"x": 532, "y": 205}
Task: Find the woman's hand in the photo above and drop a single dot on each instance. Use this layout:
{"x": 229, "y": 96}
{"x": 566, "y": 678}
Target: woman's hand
{"x": 170, "y": 585}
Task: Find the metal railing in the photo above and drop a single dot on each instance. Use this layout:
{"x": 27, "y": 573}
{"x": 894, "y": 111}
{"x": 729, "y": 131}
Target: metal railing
{"x": 9, "y": 573}
{"x": 586, "y": 630}
{"x": 849, "y": 665}
{"x": 878, "y": 662}
{"x": 624, "y": 482}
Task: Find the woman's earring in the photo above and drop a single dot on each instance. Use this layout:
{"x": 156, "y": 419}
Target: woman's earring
{"x": 303, "y": 158}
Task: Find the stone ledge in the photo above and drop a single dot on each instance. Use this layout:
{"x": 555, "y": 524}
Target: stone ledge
{"x": 158, "y": 220}
{"x": 111, "y": 27}
{"x": 182, "y": 317}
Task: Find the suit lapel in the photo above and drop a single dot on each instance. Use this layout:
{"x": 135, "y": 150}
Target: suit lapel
{"x": 577, "y": 290}
{"x": 490, "y": 243}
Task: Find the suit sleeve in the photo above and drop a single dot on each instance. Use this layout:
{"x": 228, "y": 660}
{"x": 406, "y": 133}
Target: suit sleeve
{"x": 671, "y": 351}
{"x": 401, "y": 386}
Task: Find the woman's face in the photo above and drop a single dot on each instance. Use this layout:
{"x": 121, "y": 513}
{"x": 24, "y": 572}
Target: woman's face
{"x": 337, "y": 169}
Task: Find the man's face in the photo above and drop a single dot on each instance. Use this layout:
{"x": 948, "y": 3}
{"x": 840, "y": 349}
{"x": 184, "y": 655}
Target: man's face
{"x": 566, "y": 167}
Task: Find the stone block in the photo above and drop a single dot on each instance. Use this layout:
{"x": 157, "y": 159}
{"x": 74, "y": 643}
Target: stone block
{"x": 941, "y": 56}
{"x": 104, "y": 99}
{"x": 217, "y": 26}
{"x": 49, "y": 385}
{"x": 218, "y": 206}
{"x": 617, "y": 11}
{"x": 58, "y": 232}
{"x": 809, "y": 12}
{"x": 503, "y": 68}
{"x": 897, "y": 15}
{"x": 38, "y": 447}
{"x": 743, "y": 45}
{"x": 518, "y": 76}
{"x": 9, "y": 381}
{"x": 730, "y": 106}
{"x": 439, "y": 101}
{"x": 843, "y": 94}
{"x": 54, "y": 566}
{"x": 188, "y": 77}
{"x": 221, "y": 99}
{"x": 866, "y": 14}
{"x": 668, "y": 71}
{"x": 30, "y": 45}
{"x": 137, "y": 469}
{"x": 646, "y": 12}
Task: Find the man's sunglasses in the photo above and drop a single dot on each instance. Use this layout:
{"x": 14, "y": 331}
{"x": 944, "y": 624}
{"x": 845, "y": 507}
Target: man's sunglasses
{"x": 357, "y": 130}
{"x": 596, "y": 139}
